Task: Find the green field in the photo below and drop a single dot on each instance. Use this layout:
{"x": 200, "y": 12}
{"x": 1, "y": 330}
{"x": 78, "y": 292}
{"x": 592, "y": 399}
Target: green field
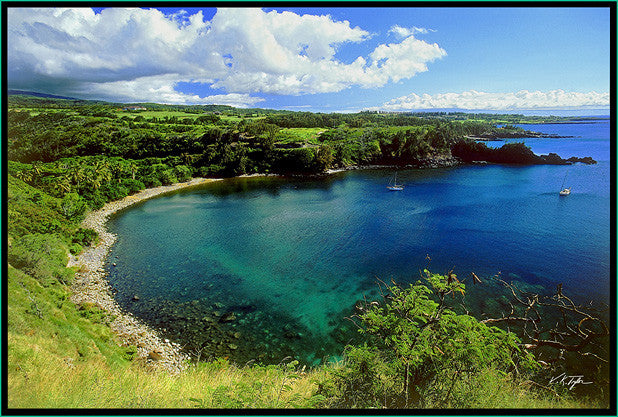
{"x": 300, "y": 134}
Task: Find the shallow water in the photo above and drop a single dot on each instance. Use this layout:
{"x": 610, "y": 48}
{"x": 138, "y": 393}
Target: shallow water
{"x": 262, "y": 268}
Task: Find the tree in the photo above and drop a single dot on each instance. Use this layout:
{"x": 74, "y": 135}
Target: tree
{"x": 24, "y": 175}
{"x": 420, "y": 350}
{"x": 324, "y": 158}
{"x": 64, "y": 183}
{"x": 72, "y": 205}
{"x": 133, "y": 168}
{"x": 76, "y": 173}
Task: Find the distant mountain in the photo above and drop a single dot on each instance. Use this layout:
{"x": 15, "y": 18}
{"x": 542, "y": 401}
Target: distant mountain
{"x": 43, "y": 95}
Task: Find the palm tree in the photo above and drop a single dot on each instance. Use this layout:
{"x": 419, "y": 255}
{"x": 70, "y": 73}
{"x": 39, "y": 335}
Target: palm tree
{"x": 64, "y": 183}
{"x": 117, "y": 169}
{"x": 186, "y": 158}
{"x": 133, "y": 168}
{"x": 60, "y": 184}
{"x": 24, "y": 175}
{"x": 92, "y": 178}
{"x": 102, "y": 171}
{"x": 76, "y": 174}
{"x": 36, "y": 170}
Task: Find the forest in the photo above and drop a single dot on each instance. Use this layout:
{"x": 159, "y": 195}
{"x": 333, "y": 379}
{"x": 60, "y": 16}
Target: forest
{"x": 104, "y": 151}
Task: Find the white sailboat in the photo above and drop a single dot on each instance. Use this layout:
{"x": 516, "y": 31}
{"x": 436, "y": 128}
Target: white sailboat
{"x": 565, "y": 191}
{"x": 392, "y": 184}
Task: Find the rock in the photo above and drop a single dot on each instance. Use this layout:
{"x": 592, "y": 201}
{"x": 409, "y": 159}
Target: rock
{"x": 585, "y": 160}
{"x": 155, "y": 356}
{"x": 227, "y": 317}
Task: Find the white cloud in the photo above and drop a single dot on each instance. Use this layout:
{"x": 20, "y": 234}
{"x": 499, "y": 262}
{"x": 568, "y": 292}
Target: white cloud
{"x": 408, "y": 57}
{"x": 240, "y": 51}
{"x": 162, "y": 90}
{"x": 405, "y": 32}
{"x": 521, "y": 100}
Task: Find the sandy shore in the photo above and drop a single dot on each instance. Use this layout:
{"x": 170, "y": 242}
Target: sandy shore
{"x": 91, "y": 285}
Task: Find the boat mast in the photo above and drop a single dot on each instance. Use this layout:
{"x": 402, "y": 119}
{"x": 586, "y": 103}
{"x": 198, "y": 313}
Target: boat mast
{"x": 564, "y": 180}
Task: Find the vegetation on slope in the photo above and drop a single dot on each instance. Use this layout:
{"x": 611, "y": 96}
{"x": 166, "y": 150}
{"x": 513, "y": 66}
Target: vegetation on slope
{"x": 67, "y": 158}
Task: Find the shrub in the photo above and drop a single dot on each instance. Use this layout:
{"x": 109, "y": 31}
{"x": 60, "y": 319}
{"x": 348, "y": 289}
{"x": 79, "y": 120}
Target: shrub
{"x": 96, "y": 200}
{"x": 421, "y": 351}
{"x": 72, "y": 205}
{"x": 152, "y": 182}
{"x": 112, "y": 191}
{"x": 132, "y": 185}
{"x": 44, "y": 256}
{"x": 167, "y": 177}
{"x": 84, "y": 237}
{"x": 182, "y": 173}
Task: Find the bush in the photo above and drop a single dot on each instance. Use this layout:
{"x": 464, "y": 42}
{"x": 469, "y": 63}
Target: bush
{"x": 96, "y": 200}
{"x": 112, "y": 191}
{"x": 167, "y": 177}
{"x": 132, "y": 185}
{"x": 151, "y": 182}
{"x": 44, "y": 256}
{"x": 182, "y": 173}
{"x": 421, "y": 351}
{"x": 84, "y": 237}
{"x": 72, "y": 205}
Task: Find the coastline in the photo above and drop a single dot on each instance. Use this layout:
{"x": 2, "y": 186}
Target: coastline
{"x": 91, "y": 285}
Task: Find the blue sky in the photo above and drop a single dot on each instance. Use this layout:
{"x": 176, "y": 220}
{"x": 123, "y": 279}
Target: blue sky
{"x": 526, "y": 59}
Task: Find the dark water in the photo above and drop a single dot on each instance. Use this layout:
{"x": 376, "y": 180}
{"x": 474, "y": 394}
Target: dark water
{"x": 262, "y": 268}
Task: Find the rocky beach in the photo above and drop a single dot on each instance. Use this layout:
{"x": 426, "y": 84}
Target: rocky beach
{"x": 92, "y": 287}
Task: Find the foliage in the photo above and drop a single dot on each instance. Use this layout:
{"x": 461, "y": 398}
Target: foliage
{"x": 44, "y": 256}
{"x": 510, "y": 153}
{"x": 72, "y": 205}
{"x": 421, "y": 350}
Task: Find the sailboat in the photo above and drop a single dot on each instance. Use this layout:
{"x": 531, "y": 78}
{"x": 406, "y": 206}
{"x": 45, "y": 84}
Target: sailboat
{"x": 565, "y": 191}
{"x": 392, "y": 184}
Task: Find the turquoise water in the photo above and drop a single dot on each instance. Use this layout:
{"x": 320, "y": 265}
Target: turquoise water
{"x": 263, "y": 268}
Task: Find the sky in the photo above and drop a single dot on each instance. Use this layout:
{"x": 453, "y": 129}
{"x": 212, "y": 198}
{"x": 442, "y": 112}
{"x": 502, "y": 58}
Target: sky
{"x": 529, "y": 60}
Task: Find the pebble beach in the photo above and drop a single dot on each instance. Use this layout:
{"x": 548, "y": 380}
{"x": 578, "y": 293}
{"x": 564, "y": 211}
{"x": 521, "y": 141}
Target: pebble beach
{"x": 91, "y": 286}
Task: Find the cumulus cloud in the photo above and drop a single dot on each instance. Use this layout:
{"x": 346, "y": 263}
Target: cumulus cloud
{"x": 405, "y": 32}
{"x": 136, "y": 54}
{"x": 161, "y": 89}
{"x": 477, "y": 100}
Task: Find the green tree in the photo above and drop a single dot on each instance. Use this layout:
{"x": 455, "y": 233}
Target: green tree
{"x": 72, "y": 205}
{"x": 324, "y": 158}
{"x": 420, "y": 350}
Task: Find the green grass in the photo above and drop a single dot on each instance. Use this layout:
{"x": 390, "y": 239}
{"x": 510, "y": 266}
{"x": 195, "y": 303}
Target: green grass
{"x": 216, "y": 385}
{"x": 60, "y": 384}
{"x": 300, "y": 134}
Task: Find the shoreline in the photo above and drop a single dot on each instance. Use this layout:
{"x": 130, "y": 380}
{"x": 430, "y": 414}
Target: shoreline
{"x": 91, "y": 285}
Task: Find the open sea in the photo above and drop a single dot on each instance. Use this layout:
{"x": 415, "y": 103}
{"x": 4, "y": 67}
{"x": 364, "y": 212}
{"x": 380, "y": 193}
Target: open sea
{"x": 268, "y": 267}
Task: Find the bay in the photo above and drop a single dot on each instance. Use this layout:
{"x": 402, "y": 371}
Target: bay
{"x": 268, "y": 267}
